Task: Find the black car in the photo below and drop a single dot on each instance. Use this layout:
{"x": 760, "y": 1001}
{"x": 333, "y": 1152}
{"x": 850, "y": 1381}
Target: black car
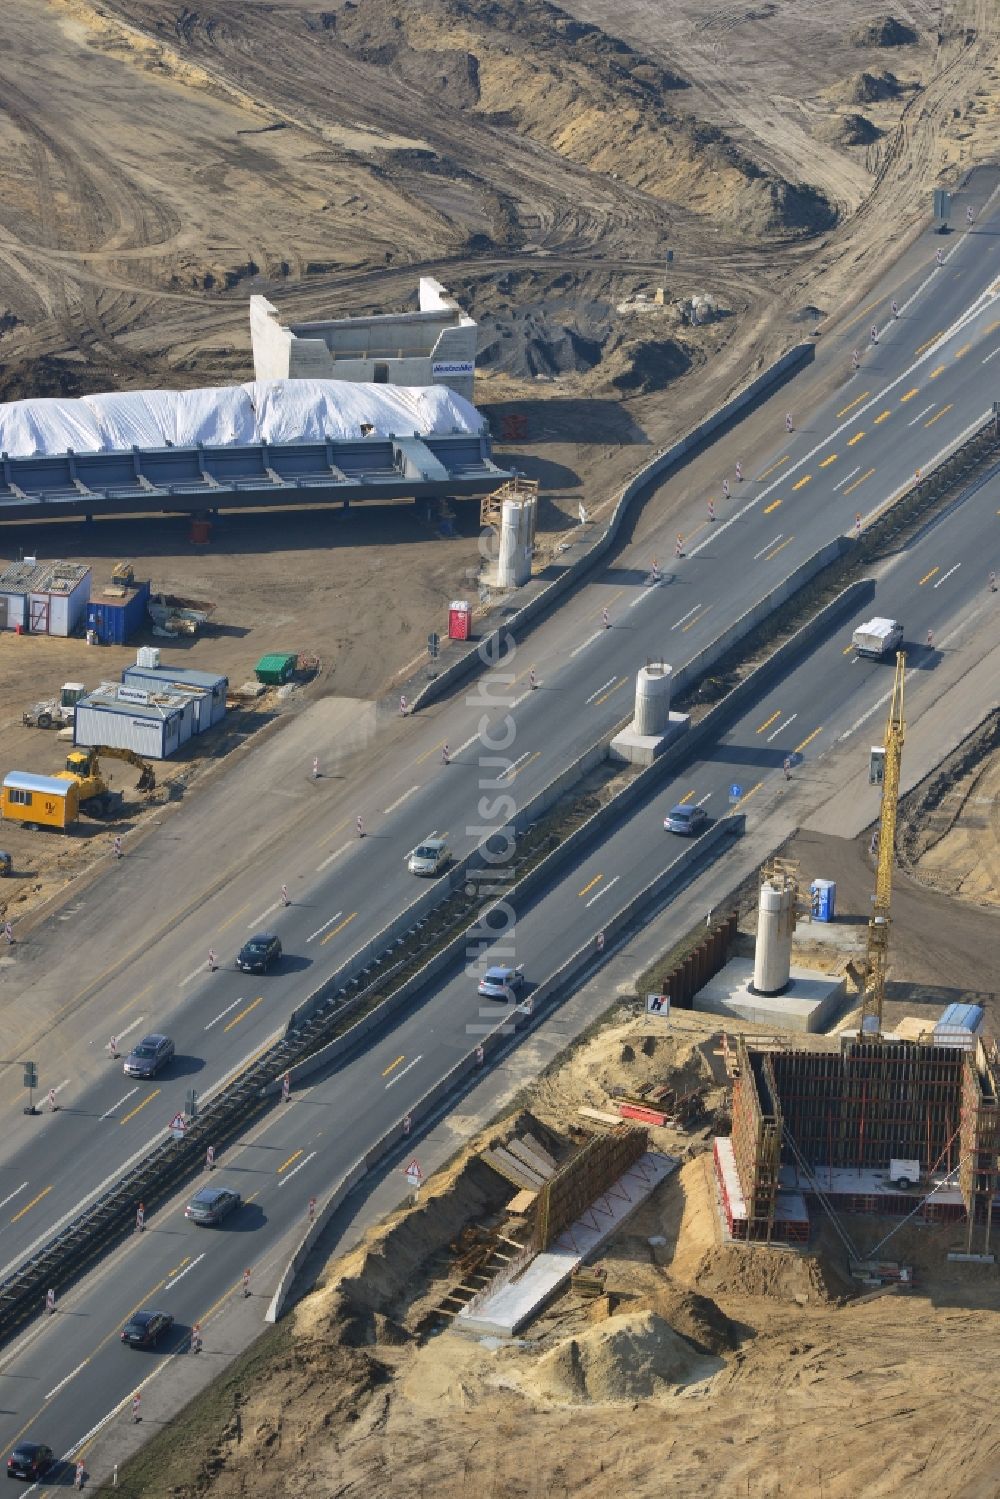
{"x": 212, "y": 1204}
{"x": 29, "y": 1460}
{"x": 257, "y": 955}
{"x": 146, "y": 1059}
{"x": 144, "y": 1329}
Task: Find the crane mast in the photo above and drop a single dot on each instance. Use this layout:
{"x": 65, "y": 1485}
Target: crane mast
{"x": 877, "y": 956}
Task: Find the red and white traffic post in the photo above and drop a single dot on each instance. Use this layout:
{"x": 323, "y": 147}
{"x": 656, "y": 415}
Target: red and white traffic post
{"x": 8, "y": 932}
{"x": 789, "y": 424}
{"x": 210, "y": 1158}
{"x": 407, "y": 1124}
{"x": 246, "y": 1283}
{"x": 739, "y": 473}
{"x": 113, "y": 1052}
{"x": 196, "y": 1338}
{"x": 600, "y": 942}
{"x": 136, "y": 1407}
{"x": 679, "y": 546}
{"x": 403, "y": 706}
{"x": 52, "y": 1101}
{"x": 480, "y": 1054}
{"x": 445, "y": 754}
{"x": 78, "y": 1476}
{"x": 605, "y": 621}
{"x": 532, "y": 679}
{"x": 725, "y": 489}
{"x": 315, "y": 766}
{"x": 855, "y": 361}
{"x": 711, "y": 509}
{"x": 213, "y": 961}
{"x": 361, "y": 828}
{"x": 874, "y": 333}
{"x": 50, "y": 1302}
{"x": 895, "y": 308}
{"x": 656, "y": 571}
{"x": 117, "y": 848}
{"x": 285, "y": 901}
{"x": 857, "y": 526}
{"x": 286, "y": 1087}
{"x": 312, "y": 1210}
{"x": 140, "y": 1219}
{"x": 939, "y": 257}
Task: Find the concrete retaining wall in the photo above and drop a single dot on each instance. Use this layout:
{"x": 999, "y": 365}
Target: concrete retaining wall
{"x": 519, "y": 623}
{"x": 491, "y": 1044}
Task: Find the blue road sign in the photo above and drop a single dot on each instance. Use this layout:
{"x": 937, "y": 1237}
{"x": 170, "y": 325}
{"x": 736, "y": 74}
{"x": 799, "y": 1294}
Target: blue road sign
{"x": 735, "y": 792}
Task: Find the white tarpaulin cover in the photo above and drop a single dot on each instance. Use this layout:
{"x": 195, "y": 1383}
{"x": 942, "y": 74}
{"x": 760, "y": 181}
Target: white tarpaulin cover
{"x": 277, "y": 411}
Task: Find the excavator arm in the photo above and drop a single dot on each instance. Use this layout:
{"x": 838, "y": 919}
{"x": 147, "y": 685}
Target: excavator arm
{"x": 86, "y": 764}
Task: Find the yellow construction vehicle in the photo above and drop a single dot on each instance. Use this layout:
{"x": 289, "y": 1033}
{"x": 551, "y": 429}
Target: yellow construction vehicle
{"x": 877, "y": 954}
{"x": 84, "y": 767}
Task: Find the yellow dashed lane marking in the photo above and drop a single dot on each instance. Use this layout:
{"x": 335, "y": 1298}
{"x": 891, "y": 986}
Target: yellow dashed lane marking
{"x": 803, "y": 481}
{"x": 845, "y": 409}
{"x": 825, "y": 463}
{"x": 773, "y": 506}
{"x": 883, "y": 416}
{"x": 938, "y": 415}
{"x": 856, "y": 438}
{"x": 854, "y": 486}
{"x": 910, "y": 394}
{"x": 778, "y": 549}
{"x": 927, "y": 576}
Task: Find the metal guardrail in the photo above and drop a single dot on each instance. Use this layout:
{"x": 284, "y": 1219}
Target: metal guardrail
{"x": 169, "y": 1163}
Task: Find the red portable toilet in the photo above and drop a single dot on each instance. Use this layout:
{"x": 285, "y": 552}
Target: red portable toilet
{"x": 459, "y": 619}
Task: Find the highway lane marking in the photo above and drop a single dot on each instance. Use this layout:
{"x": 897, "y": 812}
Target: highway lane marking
{"x": 757, "y": 555}
{"x": 243, "y": 1013}
{"x": 883, "y": 416}
{"x": 825, "y": 463}
{"x": 259, "y": 919}
{"x": 927, "y": 576}
{"x": 996, "y": 351}
{"x": 285, "y": 1164}
{"x": 330, "y": 935}
{"x": 947, "y": 575}
{"x": 335, "y": 855}
{"x": 933, "y": 340}
{"x": 939, "y": 371}
{"x": 63, "y": 1382}
{"x": 921, "y": 413}
{"x": 321, "y": 929}
{"x": 235, "y": 916}
{"x": 400, "y": 800}
{"x": 782, "y": 727}
{"x": 595, "y": 881}
{"x": 856, "y": 438}
{"x": 296, "y": 1169}
{"x": 393, "y": 1065}
{"x": 605, "y": 890}
{"x": 195, "y": 973}
{"x": 28, "y": 1206}
{"x": 394, "y": 1080}
{"x": 223, "y": 1013}
{"x": 788, "y": 540}
{"x": 856, "y": 402}
{"x": 801, "y": 483}
{"x": 774, "y": 467}
{"x": 748, "y": 794}
{"x": 130, "y": 1094}
{"x": 623, "y": 680}
{"x": 960, "y": 353}
{"x": 769, "y": 721}
{"x": 847, "y": 650}
{"x": 130, "y": 1027}
{"x": 139, "y": 1107}
{"x": 859, "y": 315}
{"x": 800, "y": 747}
{"x": 179, "y": 1266}
{"x": 464, "y": 746}
{"x": 600, "y": 689}
{"x": 994, "y": 325}
{"x": 12, "y": 1195}
{"x": 939, "y": 414}
{"x": 513, "y": 766}
{"x": 851, "y": 488}
{"x": 768, "y": 508}
{"x": 584, "y": 643}
{"x": 169, "y": 1284}
{"x": 703, "y": 799}
{"x": 847, "y": 477}
{"x": 913, "y": 391}
{"x": 685, "y": 616}
{"x": 691, "y": 623}
{"x": 685, "y": 798}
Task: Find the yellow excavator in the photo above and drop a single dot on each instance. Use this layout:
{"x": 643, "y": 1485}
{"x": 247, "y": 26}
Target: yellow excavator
{"x": 84, "y": 767}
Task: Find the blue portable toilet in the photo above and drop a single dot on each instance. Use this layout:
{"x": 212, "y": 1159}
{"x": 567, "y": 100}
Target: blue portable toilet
{"x": 824, "y": 899}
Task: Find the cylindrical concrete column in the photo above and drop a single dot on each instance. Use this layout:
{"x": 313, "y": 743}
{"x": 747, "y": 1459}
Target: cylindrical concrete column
{"x": 516, "y": 528}
{"x": 652, "y": 700}
{"x": 775, "y": 925}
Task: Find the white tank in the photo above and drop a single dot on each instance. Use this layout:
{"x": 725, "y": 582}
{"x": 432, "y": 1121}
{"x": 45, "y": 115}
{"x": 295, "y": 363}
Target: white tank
{"x": 148, "y": 656}
{"x": 775, "y": 925}
{"x": 652, "y": 699}
{"x": 517, "y": 527}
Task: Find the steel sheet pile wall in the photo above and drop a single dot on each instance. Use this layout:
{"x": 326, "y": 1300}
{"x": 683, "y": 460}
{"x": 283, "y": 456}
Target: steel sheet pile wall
{"x": 574, "y": 1190}
{"x": 694, "y": 972}
{"x": 756, "y": 1141}
{"x": 979, "y": 1170}
{"x": 875, "y": 1100}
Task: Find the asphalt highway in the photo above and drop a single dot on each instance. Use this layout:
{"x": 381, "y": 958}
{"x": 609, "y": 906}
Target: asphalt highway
{"x": 70, "y": 1373}
{"x": 927, "y": 378}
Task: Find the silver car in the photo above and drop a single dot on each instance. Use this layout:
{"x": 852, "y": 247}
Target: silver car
{"x": 500, "y": 982}
{"x": 685, "y": 820}
{"x": 429, "y": 857}
{"x": 146, "y": 1058}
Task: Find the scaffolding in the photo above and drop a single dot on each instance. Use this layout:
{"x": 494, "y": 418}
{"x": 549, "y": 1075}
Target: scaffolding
{"x": 854, "y": 1110}
{"x": 491, "y": 505}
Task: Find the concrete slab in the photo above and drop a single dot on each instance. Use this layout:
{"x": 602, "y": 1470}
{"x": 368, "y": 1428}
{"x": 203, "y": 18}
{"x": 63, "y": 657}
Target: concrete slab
{"x": 642, "y": 749}
{"x": 806, "y": 1004}
{"x": 846, "y": 936}
{"x": 501, "y": 1310}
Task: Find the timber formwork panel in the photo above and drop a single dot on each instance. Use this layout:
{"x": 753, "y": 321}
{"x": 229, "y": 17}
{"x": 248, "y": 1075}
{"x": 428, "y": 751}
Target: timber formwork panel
{"x": 979, "y": 1170}
{"x": 756, "y": 1136}
{"x": 567, "y": 1195}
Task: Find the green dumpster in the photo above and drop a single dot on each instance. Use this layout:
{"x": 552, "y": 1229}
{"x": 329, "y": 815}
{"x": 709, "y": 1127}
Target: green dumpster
{"x": 276, "y": 668}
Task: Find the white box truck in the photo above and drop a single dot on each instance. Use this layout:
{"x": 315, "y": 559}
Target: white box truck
{"x": 878, "y": 638}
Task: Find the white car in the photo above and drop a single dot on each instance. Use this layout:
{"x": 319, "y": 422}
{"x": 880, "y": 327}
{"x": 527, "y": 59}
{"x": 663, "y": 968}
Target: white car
{"x": 501, "y": 982}
{"x": 429, "y": 857}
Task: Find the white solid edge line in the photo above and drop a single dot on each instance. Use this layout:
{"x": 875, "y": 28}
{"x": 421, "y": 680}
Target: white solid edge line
{"x": 394, "y": 1080}
{"x": 168, "y": 1285}
{"x": 327, "y": 923}
{"x": 304, "y": 1162}
{"x": 63, "y": 1382}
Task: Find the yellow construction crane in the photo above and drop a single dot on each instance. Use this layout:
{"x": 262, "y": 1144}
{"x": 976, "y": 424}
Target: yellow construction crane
{"x": 877, "y": 956}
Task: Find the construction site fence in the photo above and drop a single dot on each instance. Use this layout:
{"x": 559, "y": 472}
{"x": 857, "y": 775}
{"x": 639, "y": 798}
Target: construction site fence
{"x": 521, "y": 622}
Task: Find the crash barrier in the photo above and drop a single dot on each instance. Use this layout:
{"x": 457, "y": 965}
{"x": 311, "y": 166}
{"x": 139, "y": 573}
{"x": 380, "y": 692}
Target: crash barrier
{"x": 169, "y": 1164}
{"x": 519, "y": 623}
{"x": 515, "y": 1018}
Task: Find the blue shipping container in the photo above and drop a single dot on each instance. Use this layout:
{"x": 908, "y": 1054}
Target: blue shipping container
{"x": 116, "y": 621}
